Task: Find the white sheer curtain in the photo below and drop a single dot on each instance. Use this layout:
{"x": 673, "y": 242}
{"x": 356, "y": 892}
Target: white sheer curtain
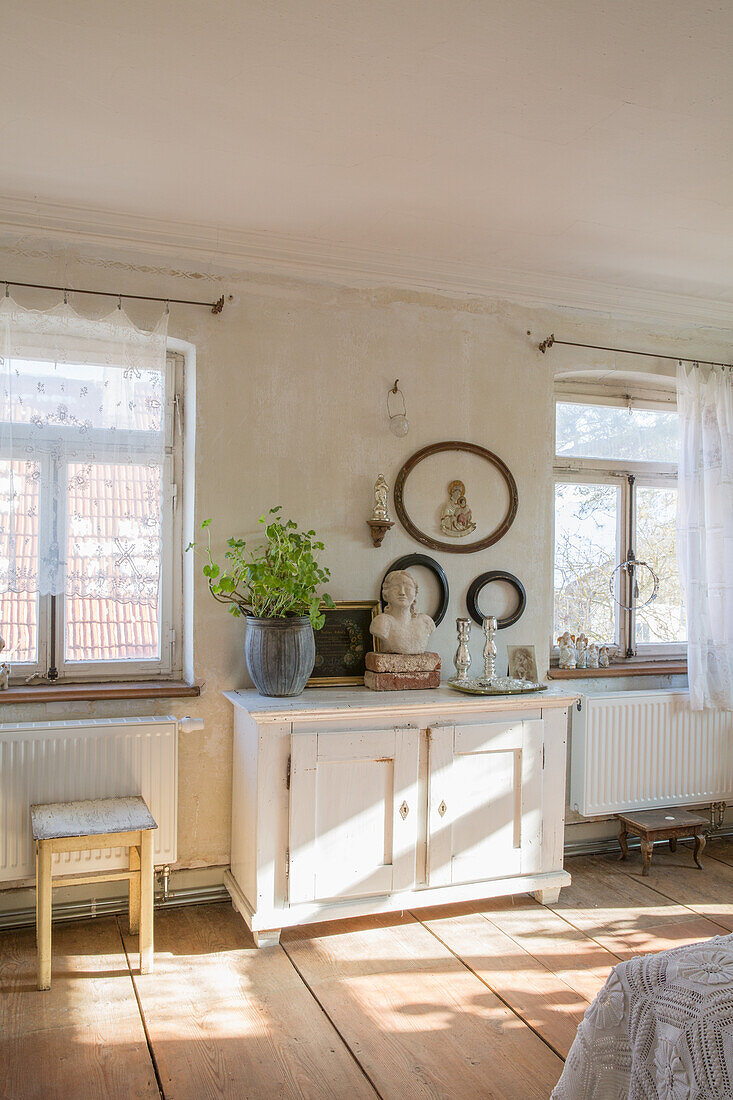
{"x": 705, "y": 530}
{"x": 82, "y": 449}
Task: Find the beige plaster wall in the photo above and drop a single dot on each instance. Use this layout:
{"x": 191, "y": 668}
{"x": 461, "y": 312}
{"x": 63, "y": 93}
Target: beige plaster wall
{"x": 290, "y": 392}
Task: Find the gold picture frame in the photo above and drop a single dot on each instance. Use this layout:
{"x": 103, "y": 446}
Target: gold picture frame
{"x": 342, "y": 643}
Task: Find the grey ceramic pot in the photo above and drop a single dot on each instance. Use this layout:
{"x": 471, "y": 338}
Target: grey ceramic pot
{"x": 280, "y": 654}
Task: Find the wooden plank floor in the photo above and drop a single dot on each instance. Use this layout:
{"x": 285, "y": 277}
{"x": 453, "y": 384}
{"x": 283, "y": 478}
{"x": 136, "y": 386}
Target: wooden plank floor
{"x": 476, "y": 1001}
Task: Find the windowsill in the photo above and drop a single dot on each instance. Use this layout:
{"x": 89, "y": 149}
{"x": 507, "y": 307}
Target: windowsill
{"x": 647, "y": 668}
{"x": 134, "y": 689}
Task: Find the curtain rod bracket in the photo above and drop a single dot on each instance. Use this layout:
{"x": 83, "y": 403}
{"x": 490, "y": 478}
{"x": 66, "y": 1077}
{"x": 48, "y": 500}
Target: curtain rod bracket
{"x": 551, "y": 339}
{"x": 216, "y": 307}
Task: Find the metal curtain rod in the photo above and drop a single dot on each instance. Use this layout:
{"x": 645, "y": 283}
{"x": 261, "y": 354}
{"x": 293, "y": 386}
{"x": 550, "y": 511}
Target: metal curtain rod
{"x": 550, "y": 340}
{"x": 216, "y": 307}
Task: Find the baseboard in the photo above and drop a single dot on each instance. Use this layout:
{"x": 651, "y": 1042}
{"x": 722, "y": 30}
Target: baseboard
{"x": 99, "y": 907}
{"x": 600, "y": 846}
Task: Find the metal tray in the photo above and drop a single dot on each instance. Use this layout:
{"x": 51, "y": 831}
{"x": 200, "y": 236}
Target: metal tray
{"x": 501, "y": 685}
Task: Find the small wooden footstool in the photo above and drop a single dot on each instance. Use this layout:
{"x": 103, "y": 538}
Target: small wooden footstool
{"x": 86, "y": 826}
{"x": 651, "y": 825}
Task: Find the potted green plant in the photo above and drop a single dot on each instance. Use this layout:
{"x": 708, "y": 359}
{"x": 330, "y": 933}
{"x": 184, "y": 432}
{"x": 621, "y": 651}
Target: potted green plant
{"x": 276, "y": 585}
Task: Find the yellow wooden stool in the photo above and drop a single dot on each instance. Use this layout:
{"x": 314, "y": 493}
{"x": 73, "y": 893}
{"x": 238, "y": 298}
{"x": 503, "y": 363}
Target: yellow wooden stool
{"x": 86, "y": 826}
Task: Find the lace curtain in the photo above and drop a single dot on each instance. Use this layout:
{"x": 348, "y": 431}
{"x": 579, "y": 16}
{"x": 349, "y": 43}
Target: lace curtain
{"x": 705, "y": 530}
{"x": 82, "y": 453}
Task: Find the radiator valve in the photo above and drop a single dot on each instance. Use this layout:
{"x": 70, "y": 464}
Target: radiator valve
{"x": 163, "y": 877}
{"x": 717, "y": 815}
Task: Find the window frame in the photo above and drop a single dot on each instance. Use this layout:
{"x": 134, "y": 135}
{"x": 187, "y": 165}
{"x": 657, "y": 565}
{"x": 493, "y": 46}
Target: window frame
{"x": 629, "y": 476}
{"x": 169, "y": 664}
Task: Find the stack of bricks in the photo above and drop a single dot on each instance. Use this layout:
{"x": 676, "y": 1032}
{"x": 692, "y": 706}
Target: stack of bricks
{"x": 401, "y": 671}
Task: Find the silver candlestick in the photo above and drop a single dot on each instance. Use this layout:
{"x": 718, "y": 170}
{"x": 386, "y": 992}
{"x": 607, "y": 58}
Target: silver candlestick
{"x": 462, "y": 659}
{"x": 490, "y": 651}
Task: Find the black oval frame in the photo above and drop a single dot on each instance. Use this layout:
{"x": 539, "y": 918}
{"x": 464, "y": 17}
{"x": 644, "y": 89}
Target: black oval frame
{"x": 480, "y": 582}
{"x": 435, "y": 568}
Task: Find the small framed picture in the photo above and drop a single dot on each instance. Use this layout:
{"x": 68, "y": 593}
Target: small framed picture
{"x": 522, "y": 662}
{"x": 342, "y": 644}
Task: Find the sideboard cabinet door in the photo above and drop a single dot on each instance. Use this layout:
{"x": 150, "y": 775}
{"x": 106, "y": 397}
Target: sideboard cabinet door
{"x": 353, "y": 813}
{"x": 485, "y": 801}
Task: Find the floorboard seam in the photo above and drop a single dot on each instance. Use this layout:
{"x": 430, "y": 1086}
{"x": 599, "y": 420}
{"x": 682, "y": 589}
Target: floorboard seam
{"x": 635, "y": 878}
{"x": 320, "y": 1004}
{"x": 684, "y": 905}
{"x": 583, "y": 932}
{"x": 708, "y": 854}
{"x": 542, "y": 962}
{"x": 499, "y": 997}
{"x": 143, "y": 1021}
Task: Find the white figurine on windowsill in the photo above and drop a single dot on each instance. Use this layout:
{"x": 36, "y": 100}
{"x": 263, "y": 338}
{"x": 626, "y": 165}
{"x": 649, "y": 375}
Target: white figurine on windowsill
{"x": 604, "y": 655}
{"x": 568, "y": 655}
{"x": 591, "y": 657}
{"x": 4, "y": 669}
{"x": 400, "y": 627}
{"x": 581, "y": 648}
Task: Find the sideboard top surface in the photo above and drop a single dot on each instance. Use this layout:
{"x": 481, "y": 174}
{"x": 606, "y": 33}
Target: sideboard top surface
{"x": 315, "y": 703}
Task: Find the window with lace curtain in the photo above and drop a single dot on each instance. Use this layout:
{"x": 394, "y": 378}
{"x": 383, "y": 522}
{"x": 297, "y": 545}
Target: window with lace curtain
{"x": 616, "y": 578}
{"x": 89, "y": 532}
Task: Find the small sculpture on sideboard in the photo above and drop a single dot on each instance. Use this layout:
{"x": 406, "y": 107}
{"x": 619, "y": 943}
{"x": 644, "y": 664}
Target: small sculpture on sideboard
{"x": 401, "y": 628}
{"x": 402, "y": 634}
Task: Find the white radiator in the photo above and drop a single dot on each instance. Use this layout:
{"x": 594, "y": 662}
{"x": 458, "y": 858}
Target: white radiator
{"x": 643, "y": 749}
{"x": 100, "y": 758}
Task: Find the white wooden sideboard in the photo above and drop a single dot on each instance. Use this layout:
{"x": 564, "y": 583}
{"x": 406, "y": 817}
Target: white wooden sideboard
{"x": 347, "y": 802}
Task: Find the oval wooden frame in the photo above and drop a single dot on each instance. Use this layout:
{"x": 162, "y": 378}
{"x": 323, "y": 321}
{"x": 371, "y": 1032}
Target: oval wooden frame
{"x": 435, "y": 568}
{"x": 452, "y": 547}
{"x": 480, "y": 583}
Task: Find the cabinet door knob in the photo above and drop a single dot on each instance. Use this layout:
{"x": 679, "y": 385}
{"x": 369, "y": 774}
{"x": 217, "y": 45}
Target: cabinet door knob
{"x": 442, "y": 808}
{"x": 404, "y": 810}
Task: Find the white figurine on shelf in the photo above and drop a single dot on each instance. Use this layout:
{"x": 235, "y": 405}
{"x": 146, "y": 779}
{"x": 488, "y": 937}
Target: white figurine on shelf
{"x": 591, "y": 656}
{"x": 380, "y": 513}
{"x": 400, "y": 627}
{"x": 568, "y": 656}
{"x": 4, "y": 669}
{"x": 581, "y": 647}
{"x": 604, "y": 656}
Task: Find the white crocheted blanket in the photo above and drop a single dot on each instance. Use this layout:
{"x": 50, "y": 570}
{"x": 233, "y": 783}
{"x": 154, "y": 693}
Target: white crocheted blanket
{"x": 660, "y": 1029}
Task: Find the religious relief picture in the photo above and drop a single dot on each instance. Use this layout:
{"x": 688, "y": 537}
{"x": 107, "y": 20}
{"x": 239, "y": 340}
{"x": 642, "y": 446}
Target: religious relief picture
{"x": 456, "y": 519}
{"x": 522, "y": 662}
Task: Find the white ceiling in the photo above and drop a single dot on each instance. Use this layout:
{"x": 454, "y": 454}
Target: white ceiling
{"x": 570, "y": 138}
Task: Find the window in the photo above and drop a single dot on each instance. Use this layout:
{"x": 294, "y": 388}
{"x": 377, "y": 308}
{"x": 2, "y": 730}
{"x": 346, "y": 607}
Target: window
{"x": 110, "y": 514}
{"x": 615, "y": 508}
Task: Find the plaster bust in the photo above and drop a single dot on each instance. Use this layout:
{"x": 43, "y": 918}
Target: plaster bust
{"x": 400, "y": 627}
